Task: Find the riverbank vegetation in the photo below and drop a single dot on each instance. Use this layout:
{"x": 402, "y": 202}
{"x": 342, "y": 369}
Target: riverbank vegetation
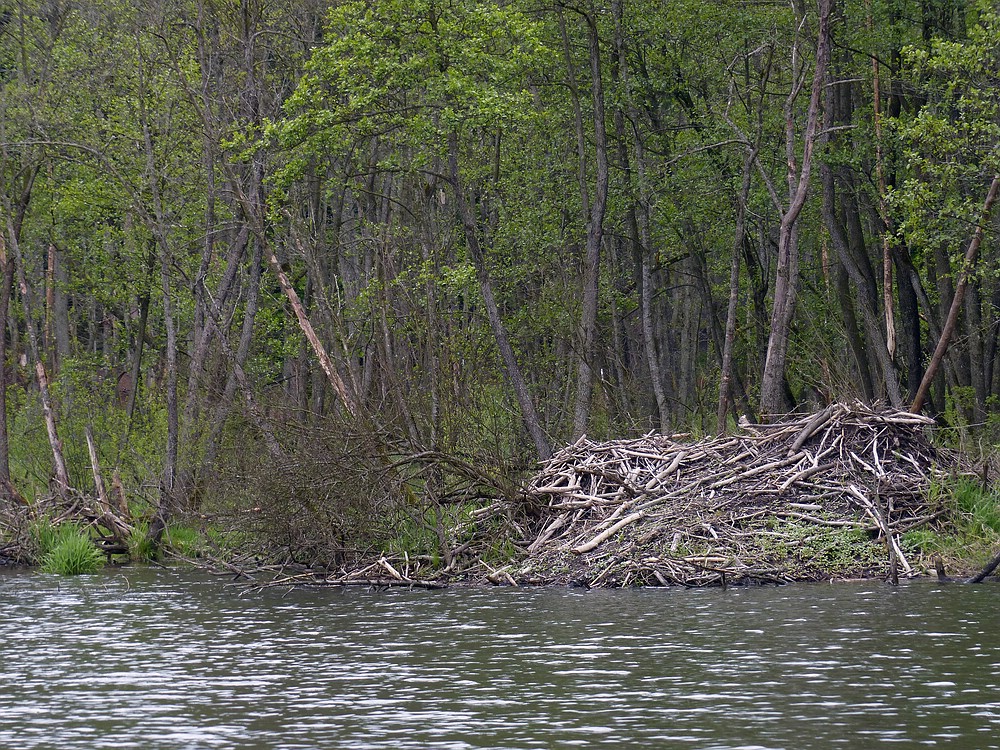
{"x": 321, "y": 279}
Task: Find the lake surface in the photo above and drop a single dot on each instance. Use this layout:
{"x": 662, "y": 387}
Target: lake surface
{"x": 141, "y": 658}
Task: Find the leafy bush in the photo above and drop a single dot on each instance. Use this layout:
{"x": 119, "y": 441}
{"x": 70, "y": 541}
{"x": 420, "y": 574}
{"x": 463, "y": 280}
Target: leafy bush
{"x": 72, "y": 553}
{"x": 969, "y": 531}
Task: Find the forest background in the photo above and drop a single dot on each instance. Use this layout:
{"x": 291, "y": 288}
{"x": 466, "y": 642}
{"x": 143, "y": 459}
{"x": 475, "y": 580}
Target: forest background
{"x": 337, "y": 266}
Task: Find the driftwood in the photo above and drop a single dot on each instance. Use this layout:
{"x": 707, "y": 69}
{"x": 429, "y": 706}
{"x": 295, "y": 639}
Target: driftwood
{"x": 763, "y": 506}
{"x": 379, "y": 574}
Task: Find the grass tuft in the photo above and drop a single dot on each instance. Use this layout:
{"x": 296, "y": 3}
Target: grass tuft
{"x": 72, "y": 553}
{"x": 140, "y": 546}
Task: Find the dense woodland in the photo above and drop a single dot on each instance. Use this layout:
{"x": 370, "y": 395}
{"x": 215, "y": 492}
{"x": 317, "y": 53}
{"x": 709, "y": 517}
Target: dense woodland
{"x": 250, "y": 245}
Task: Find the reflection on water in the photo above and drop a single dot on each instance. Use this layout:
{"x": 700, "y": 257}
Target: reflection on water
{"x": 160, "y": 659}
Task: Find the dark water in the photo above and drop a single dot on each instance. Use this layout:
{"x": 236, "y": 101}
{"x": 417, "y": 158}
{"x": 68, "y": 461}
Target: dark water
{"x": 159, "y": 659}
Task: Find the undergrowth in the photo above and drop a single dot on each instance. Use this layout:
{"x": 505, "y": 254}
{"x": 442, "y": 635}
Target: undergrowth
{"x": 969, "y": 534}
{"x": 67, "y": 549}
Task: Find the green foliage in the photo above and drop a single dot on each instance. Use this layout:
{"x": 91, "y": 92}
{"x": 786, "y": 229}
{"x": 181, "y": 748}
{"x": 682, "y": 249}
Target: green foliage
{"x": 45, "y": 536}
{"x": 980, "y": 507}
{"x": 950, "y": 145}
{"x": 185, "y": 541}
{"x": 72, "y": 552}
{"x": 406, "y": 75}
{"x": 140, "y": 546}
{"x": 821, "y": 550}
{"x": 969, "y": 532}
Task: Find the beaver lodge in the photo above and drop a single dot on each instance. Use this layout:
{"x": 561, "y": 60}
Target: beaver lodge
{"x": 818, "y": 497}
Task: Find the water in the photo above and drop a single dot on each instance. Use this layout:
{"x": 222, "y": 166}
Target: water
{"x": 162, "y": 659}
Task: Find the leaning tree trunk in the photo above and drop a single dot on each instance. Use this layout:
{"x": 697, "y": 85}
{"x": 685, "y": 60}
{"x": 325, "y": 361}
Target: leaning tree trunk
{"x": 529, "y": 416}
{"x": 956, "y": 303}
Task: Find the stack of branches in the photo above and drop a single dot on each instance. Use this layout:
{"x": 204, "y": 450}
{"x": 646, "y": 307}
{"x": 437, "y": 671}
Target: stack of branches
{"x": 821, "y": 496}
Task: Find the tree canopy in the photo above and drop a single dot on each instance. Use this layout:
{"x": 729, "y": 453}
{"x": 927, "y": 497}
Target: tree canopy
{"x": 481, "y": 229}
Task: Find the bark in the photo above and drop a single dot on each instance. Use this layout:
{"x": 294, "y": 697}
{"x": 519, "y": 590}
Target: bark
{"x": 61, "y": 475}
{"x": 157, "y": 223}
{"x": 842, "y": 282}
{"x": 773, "y": 386}
{"x": 581, "y": 134}
{"x": 60, "y": 307}
{"x": 887, "y": 300}
{"x": 956, "y": 304}
{"x": 205, "y": 332}
{"x": 729, "y": 340}
{"x": 849, "y": 245}
{"x": 595, "y": 237}
{"x": 140, "y": 342}
{"x": 242, "y": 350}
{"x": 236, "y": 365}
{"x": 170, "y": 327}
{"x": 332, "y": 376}
{"x": 642, "y": 240}
{"x": 8, "y": 267}
{"x": 974, "y": 338}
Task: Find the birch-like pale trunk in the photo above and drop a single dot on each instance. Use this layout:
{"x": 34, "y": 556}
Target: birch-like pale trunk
{"x": 61, "y": 483}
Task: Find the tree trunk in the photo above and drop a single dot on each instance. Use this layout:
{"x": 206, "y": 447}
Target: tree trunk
{"x": 7, "y": 265}
{"x": 595, "y": 237}
{"x": 956, "y": 303}
{"x": 332, "y": 376}
{"x": 61, "y": 477}
{"x": 729, "y": 340}
{"x": 256, "y": 413}
{"x": 850, "y": 250}
{"x": 643, "y": 241}
{"x": 529, "y": 415}
{"x": 242, "y": 350}
{"x": 773, "y": 397}
{"x": 59, "y": 310}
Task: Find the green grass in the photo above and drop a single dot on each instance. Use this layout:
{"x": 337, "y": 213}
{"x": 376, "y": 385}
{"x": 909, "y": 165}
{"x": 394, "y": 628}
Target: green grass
{"x": 979, "y": 505}
{"x": 184, "y": 540}
{"x": 45, "y": 536}
{"x": 971, "y": 533}
{"x": 72, "y": 552}
{"x": 140, "y": 546}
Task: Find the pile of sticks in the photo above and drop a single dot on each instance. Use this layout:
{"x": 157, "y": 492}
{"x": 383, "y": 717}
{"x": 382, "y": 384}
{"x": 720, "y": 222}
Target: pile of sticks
{"x": 768, "y": 505}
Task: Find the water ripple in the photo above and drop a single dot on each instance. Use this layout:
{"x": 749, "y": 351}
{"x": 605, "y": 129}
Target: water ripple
{"x": 159, "y": 659}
